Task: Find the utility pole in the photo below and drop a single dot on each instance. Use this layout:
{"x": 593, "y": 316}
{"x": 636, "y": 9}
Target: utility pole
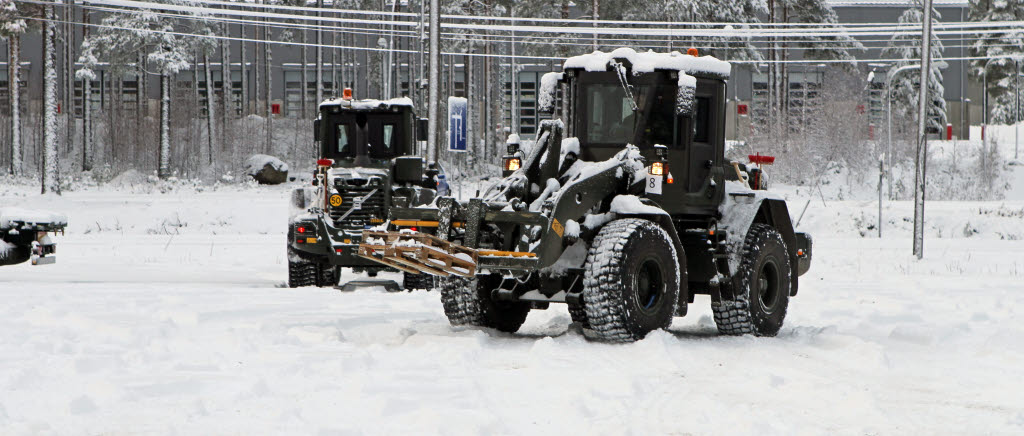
{"x": 922, "y": 130}
{"x": 1016, "y": 116}
{"x": 433, "y": 145}
{"x": 596, "y": 16}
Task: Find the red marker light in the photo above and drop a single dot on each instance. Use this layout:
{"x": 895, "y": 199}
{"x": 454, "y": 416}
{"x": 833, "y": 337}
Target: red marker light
{"x": 415, "y": 229}
{"x": 761, "y": 160}
{"x": 300, "y": 241}
{"x": 301, "y": 230}
{"x": 324, "y": 162}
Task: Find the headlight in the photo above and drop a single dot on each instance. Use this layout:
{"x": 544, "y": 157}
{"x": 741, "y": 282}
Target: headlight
{"x": 512, "y": 163}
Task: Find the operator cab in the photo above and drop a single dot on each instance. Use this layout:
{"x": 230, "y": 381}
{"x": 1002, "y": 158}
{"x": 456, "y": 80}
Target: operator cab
{"x": 366, "y": 132}
{"x": 648, "y": 99}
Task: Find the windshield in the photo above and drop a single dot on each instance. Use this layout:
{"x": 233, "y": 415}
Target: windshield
{"x": 610, "y": 119}
{"x": 380, "y": 136}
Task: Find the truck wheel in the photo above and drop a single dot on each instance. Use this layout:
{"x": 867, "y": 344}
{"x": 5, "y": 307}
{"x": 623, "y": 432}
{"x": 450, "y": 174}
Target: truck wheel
{"x": 578, "y": 315}
{"x": 630, "y": 280}
{"x": 327, "y": 275}
{"x": 468, "y": 302}
{"x": 412, "y": 282}
{"x": 760, "y": 287}
{"x": 301, "y": 272}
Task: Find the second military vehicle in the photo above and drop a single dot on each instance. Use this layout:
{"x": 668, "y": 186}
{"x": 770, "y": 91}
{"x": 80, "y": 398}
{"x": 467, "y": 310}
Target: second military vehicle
{"x": 628, "y": 217}
{"x": 367, "y": 163}
{"x": 25, "y": 236}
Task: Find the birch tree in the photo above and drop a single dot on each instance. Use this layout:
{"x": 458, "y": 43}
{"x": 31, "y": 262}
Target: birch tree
{"x": 11, "y": 29}
{"x": 51, "y": 165}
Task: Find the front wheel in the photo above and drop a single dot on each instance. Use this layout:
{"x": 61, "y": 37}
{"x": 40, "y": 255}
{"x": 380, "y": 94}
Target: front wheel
{"x": 469, "y": 302}
{"x": 760, "y": 287}
{"x": 631, "y": 280}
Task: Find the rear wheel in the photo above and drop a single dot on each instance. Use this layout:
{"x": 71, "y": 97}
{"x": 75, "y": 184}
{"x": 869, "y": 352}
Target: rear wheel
{"x": 301, "y": 272}
{"x": 631, "y": 280}
{"x": 327, "y": 275}
{"x": 469, "y": 302}
{"x": 760, "y": 288}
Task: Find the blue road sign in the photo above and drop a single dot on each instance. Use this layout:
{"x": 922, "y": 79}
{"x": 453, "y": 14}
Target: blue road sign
{"x": 458, "y": 117}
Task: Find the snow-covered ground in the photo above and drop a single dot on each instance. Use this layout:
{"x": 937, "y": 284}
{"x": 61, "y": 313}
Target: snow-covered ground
{"x": 166, "y": 313}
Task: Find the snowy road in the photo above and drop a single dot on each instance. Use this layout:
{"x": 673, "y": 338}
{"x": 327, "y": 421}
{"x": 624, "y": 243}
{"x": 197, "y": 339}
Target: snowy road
{"x": 136, "y": 331}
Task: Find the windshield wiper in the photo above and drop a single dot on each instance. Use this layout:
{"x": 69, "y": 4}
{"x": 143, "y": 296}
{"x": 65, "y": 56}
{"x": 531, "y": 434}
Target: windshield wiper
{"x": 624, "y": 81}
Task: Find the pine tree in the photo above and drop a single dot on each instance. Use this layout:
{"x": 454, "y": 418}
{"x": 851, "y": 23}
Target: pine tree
{"x": 127, "y": 34}
{"x": 906, "y": 49}
{"x": 11, "y": 28}
{"x": 1004, "y": 51}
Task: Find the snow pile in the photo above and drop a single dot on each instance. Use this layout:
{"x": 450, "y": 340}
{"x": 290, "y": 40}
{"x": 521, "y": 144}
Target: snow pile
{"x": 650, "y": 61}
{"x": 11, "y": 215}
{"x": 257, "y": 162}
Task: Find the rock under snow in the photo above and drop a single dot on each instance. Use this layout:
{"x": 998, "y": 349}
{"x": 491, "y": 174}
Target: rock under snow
{"x": 266, "y": 170}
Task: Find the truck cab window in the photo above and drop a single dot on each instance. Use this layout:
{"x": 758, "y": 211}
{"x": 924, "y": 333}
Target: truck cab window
{"x": 388, "y": 136}
{"x": 702, "y": 119}
{"x": 345, "y": 144}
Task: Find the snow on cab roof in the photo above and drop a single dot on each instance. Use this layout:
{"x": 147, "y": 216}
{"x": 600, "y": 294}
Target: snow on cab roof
{"x": 650, "y": 61}
{"x": 369, "y": 103}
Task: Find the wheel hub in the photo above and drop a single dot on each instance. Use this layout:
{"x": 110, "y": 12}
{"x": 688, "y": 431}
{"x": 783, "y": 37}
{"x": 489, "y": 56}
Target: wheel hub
{"x": 649, "y": 285}
{"x": 768, "y": 285}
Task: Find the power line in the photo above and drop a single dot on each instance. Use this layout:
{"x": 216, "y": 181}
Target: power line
{"x": 502, "y": 56}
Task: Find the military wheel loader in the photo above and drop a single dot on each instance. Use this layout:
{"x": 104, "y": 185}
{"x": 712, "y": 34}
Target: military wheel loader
{"x": 624, "y": 213}
{"x": 367, "y": 163}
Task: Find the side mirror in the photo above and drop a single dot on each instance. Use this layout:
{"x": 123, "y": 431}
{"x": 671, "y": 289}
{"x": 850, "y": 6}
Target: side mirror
{"x": 686, "y": 96}
{"x": 316, "y": 130}
{"x": 548, "y": 92}
{"x": 422, "y": 129}
{"x": 408, "y": 169}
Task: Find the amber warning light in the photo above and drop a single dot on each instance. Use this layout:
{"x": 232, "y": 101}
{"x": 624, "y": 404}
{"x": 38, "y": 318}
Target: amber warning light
{"x": 346, "y": 94}
{"x": 512, "y": 164}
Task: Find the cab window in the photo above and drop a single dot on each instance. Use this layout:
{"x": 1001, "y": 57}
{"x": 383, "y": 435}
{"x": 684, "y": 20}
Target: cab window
{"x": 346, "y": 140}
{"x": 385, "y": 137}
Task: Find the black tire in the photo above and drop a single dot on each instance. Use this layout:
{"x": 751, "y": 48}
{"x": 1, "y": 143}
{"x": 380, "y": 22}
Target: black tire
{"x": 579, "y": 315}
{"x": 327, "y": 275}
{"x": 760, "y": 287}
{"x": 630, "y": 280}
{"x": 412, "y": 282}
{"x": 468, "y": 302}
{"x": 301, "y": 272}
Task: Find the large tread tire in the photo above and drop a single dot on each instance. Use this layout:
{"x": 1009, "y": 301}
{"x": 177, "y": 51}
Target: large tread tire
{"x": 412, "y": 282}
{"x": 630, "y": 260}
{"x": 468, "y": 302}
{"x": 301, "y": 272}
{"x": 579, "y": 315}
{"x": 327, "y": 275}
{"x": 760, "y": 287}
